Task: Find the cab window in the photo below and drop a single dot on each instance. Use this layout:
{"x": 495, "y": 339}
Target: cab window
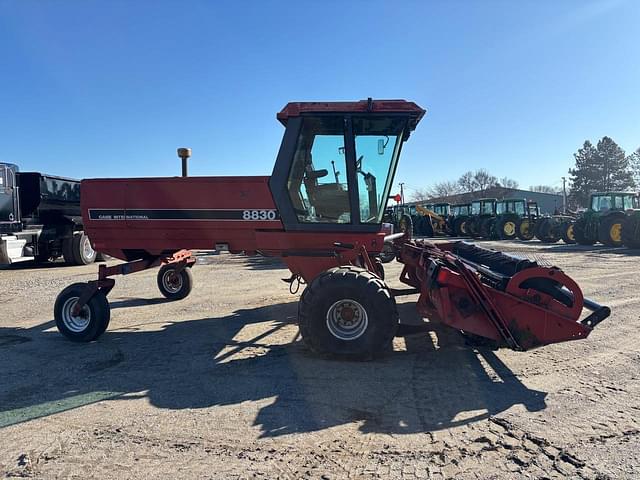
{"x": 475, "y": 208}
{"x": 3, "y": 178}
{"x": 519, "y": 208}
{"x": 377, "y": 143}
{"x": 317, "y": 182}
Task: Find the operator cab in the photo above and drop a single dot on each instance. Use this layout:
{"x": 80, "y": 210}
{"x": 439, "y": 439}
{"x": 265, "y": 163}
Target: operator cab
{"x": 603, "y": 202}
{"x": 484, "y": 206}
{"x": 516, "y": 206}
{"x": 337, "y": 161}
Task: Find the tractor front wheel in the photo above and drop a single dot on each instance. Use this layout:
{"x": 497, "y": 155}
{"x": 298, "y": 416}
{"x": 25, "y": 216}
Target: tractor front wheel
{"x": 526, "y": 230}
{"x": 507, "y": 228}
{"x": 348, "y": 312}
{"x": 175, "y": 285}
{"x": 388, "y": 253}
{"x": 610, "y": 231}
{"x": 567, "y": 233}
{"x": 545, "y": 231}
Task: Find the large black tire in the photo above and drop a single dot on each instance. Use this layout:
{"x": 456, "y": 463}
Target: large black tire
{"x": 507, "y": 227}
{"x": 93, "y": 319}
{"x": 83, "y": 252}
{"x": 631, "y": 231}
{"x": 582, "y": 232}
{"x": 486, "y": 228}
{"x": 610, "y": 230}
{"x": 473, "y": 227}
{"x": 567, "y": 234}
{"x": 174, "y": 286}
{"x": 526, "y": 230}
{"x": 67, "y": 250}
{"x": 546, "y": 231}
{"x": 348, "y": 312}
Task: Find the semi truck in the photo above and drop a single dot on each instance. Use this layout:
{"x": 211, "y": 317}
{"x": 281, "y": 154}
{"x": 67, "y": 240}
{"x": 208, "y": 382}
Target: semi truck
{"x": 40, "y": 218}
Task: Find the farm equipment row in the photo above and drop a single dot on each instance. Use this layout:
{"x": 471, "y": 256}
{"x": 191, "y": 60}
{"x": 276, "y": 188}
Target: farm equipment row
{"x": 612, "y": 219}
{"x": 327, "y": 228}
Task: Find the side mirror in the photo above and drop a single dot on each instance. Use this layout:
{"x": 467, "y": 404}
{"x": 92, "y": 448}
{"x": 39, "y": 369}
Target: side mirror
{"x": 381, "y": 145}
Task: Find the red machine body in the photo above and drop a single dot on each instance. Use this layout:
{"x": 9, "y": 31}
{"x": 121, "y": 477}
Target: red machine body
{"x": 321, "y": 212}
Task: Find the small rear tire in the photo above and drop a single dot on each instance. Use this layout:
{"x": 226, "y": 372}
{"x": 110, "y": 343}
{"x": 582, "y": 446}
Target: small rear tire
{"x": 175, "y": 286}
{"x": 93, "y": 319}
{"x": 348, "y": 312}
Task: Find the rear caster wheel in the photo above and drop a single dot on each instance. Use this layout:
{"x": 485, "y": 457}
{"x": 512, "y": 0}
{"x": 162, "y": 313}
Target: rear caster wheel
{"x": 348, "y": 312}
{"x": 90, "y": 323}
{"x": 175, "y": 285}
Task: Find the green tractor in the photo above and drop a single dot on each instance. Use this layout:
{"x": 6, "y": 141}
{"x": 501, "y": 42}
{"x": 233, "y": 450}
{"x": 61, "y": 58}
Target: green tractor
{"x": 509, "y": 214}
{"x": 400, "y": 217}
{"x": 458, "y": 220}
{"x": 527, "y": 225}
{"x": 483, "y": 212}
{"x": 604, "y": 219}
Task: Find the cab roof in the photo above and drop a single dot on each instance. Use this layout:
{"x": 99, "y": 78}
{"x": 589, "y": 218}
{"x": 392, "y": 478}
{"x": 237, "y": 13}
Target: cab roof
{"x": 297, "y": 109}
{"x": 605, "y": 194}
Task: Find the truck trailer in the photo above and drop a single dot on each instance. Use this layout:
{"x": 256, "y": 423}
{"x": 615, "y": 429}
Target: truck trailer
{"x": 40, "y": 218}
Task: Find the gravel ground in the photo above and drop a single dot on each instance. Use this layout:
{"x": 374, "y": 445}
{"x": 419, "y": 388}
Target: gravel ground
{"x": 219, "y": 386}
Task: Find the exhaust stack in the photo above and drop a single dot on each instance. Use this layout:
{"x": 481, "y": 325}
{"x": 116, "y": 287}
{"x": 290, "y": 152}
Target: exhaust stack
{"x": 184, "y": 154}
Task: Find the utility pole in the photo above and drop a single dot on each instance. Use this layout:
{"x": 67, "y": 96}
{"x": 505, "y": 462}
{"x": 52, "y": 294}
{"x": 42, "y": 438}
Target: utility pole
{"x": 402, "y": 192}
{"x": 564, "y": 195}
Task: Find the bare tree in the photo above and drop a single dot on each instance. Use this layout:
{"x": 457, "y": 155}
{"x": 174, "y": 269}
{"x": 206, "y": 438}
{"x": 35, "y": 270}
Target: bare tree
{"x": 467, "y": 182}
{"x": 445, "y": 189}
{"x": 507, "y": 182}
{"x": 544, "y": 189}
{"x": 420, "y": 195}
{"x": 483, "y": 179}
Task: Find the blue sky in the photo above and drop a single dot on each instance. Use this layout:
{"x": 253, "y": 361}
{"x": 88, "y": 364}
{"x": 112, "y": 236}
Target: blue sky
{"x": 92, "y": 88}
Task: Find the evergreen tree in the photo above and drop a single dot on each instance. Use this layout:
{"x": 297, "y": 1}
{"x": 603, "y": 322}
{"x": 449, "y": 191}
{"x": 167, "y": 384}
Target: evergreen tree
{"x": 603, "y": 168}
{"x": 616, "y": 174}
{"x": 584, "y": 177}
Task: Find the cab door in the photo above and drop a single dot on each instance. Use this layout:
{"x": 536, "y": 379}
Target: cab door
{"x": 8, "y": 202}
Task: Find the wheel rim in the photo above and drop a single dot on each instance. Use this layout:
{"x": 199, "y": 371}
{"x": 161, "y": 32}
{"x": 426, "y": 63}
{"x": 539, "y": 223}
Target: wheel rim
{"x": 347, "y": 319}
{"x": 615, "y": 232}
{"x": 171, "y": 281}
{"x": 463, "y": 227}
{"x": 509, "y": 228}
{"x": 87, "y": 250}
{"x": 570, "y": 235}
{"x": 79, "y": 323}
{"x": 524, "y": 228}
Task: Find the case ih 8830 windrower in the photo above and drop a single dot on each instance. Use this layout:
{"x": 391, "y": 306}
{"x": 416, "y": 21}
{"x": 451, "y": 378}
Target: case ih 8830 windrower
{"x": 321, "y": 212}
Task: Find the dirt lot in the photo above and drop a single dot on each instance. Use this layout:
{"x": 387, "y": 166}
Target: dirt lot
{"x": 219, "y": 386}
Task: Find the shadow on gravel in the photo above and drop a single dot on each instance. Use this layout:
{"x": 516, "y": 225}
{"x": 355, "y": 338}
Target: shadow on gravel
{"x": 438, "y": 382}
